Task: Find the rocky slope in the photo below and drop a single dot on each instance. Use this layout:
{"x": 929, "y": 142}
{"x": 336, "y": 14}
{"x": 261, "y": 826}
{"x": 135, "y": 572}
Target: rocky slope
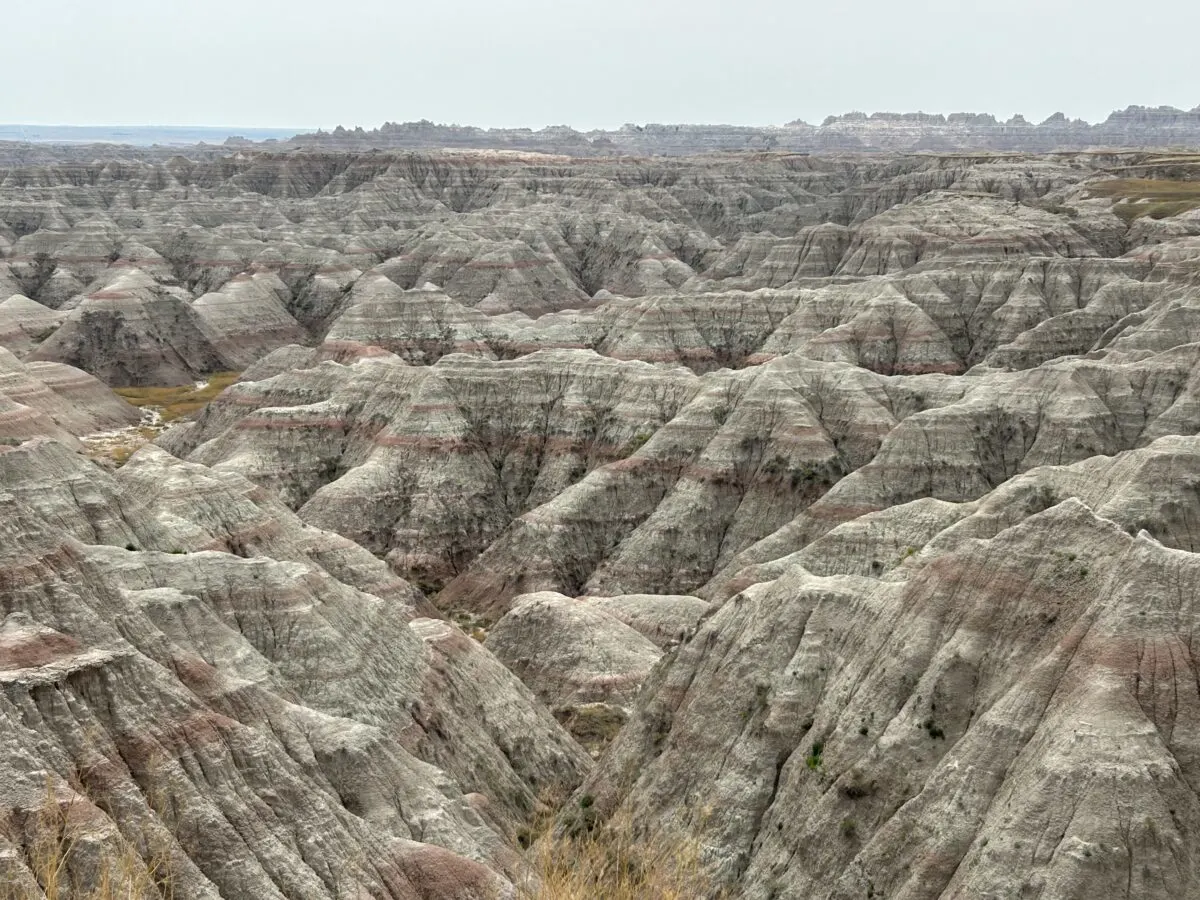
{"x": 1015, "y": 717}
{"x": 216, "y": 680}
{"x": 53, "y": 400}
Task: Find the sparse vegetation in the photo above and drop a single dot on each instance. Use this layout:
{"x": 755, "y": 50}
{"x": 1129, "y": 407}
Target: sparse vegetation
{"x": 638, "y": 441}
{"x": 35, "y": 275}
{"x": 117, "y": 447}
{"x": 164, "y": 405}
{"x": 815, "y": 755}
{"x": 594, "y": 725}
{"x": 856, "y": 788}
{"x": 176, "y": 402}
{"x": 499, "y": 344}
{"x": 614, "y": 863}
{"x": 181, "y": 253}
{"x": 52, "y": 864}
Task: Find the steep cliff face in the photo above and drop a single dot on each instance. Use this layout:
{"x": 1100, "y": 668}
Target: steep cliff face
{"x": 566, "y": 471}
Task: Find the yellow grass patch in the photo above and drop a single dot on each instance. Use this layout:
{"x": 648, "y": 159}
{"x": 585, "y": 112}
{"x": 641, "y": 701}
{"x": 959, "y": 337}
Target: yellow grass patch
{"x": 171, "y": 404}
{"x": 592, "y": 861}
{"x": 1157, "y": 198}
{"x": 177, "y": 402}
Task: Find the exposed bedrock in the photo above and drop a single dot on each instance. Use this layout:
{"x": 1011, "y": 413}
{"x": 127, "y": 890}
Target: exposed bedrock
{"x": 285, "y": 709}
{"x": 583, "y": 663}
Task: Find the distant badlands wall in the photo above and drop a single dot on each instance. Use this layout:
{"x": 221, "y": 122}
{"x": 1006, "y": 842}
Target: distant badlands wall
{"x": 1135, "y": 127}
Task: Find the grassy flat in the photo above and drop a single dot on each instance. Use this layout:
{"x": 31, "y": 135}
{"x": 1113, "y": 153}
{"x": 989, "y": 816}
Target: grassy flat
{"x": 174, "y": 403}
{"x": 1158, "y": 198}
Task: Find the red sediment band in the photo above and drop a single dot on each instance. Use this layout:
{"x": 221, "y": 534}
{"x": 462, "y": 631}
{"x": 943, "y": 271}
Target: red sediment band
{"x": 34, "y": 569}
{"x": 259, "y": 530}
{"x": 844, "y": 512}
{"x": 452, "y": 640}
{"x": 520, "y": 264}
{"x": 110, "y": 295}
{"x": 126, "y": 262}
{"x": 359, "y": 349}
{"x": 37, "y": 649}
{"x": 201, "y": 728}
{"x": 281, "y": 424}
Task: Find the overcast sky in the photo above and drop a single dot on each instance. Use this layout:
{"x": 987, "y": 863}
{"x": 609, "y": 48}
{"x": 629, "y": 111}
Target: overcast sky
{"x": 309, "y": 63}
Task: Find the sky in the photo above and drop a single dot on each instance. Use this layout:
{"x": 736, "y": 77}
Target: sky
{"x": 505, "y": 63}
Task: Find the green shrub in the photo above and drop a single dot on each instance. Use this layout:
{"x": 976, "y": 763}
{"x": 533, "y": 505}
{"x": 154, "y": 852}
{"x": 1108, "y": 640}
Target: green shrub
{"x": 815, "y": 755}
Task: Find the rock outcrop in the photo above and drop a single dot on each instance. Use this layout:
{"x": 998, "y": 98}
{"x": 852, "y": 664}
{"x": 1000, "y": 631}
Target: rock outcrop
{"x": 583, "y": 663}
{"x": 994, "y": 698}
{"x": 42, "y": 399}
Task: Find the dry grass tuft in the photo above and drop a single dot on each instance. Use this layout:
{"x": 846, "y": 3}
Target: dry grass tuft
{"x": 174, "y": 403}
{"x": 1157, "y": 198}
{"x": 55, "y": 852}
{"x": 611, "y": 862}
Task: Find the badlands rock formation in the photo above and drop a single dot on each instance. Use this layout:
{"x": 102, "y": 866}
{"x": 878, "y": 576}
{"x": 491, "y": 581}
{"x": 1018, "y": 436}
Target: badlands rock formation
{"x": 834, "y": 514}
{"x": 206, "y": 675}
{"x": 1135, "y": 126}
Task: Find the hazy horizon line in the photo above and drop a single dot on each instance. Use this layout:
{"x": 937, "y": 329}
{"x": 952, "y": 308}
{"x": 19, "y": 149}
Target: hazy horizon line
{"x": 308, "y": 129}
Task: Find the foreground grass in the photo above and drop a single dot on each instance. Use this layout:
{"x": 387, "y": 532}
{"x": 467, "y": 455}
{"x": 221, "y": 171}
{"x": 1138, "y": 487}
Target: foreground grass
{"x": 1156, "y": 198}
{"x": 53, "y": 846}
{"x": 610, "y": 862}
{"x": 175, "y": 403}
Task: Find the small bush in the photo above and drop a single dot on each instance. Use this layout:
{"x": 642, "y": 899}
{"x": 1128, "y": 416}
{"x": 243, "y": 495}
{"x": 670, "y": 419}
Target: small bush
{"x": 856, "y": 789}
{"x": 638, "y": 441}
{"x": 815, "y": 755}
{"x": 848, "y": 829}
